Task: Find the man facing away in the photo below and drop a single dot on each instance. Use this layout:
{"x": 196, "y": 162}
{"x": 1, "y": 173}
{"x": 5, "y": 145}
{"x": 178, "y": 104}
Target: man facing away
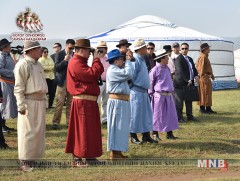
{"x": 84, "y": 139}
{"x": 206, "y": 76}
{"x": 30, "y": 90}
{"x": 141, "y": 112}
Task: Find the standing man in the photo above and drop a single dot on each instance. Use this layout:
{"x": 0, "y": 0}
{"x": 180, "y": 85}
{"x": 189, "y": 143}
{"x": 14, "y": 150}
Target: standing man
{"x": 150, "y": 56}
{"x": 175, "y": 51}
{"x": 103, "y": 97}
{"x": 204, "y": 68}
{"x": 184, "y": 76}
{"x": 30, "y": 90}
{"x": 61, "y": 63}
{"x": 3, "y": 144}
{"x": 141, "y": 111}
{"x": 161, "y": 89}
{"x": 170, "y": 63}
{"x": 84, "y": 138}
{"x": 9, "y": 105}
{"x": 123, "y": 46}
{"x": 118, "y": 108}
{"x": 57, "y": 47}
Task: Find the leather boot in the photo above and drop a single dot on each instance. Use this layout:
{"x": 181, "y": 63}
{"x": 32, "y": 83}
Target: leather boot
{"x": 210, "y": 111}
{"x": 202, "y": 110}
{"x": 170, "y": 135}
{"x": 134, "y": 139}
{"x": 147, "y": 138}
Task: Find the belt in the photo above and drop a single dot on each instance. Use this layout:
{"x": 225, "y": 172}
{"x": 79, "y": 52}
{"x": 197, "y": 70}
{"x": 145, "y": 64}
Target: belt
{"x": 165, "y": 93}
{"x": 123, "y": 97}
{"x": 35, "y": 96}
{"x": 7, "y": 81}
{"x": 85, "y": 97}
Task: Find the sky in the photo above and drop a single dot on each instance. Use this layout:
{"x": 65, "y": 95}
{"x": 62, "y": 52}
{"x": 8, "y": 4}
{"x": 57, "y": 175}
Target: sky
{"x": 78, "y": 18}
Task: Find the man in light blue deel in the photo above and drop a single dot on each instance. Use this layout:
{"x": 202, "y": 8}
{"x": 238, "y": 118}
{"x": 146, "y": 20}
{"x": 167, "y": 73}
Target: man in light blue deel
{"x": 141, "y": 112}
{"x": 118, "y": 106}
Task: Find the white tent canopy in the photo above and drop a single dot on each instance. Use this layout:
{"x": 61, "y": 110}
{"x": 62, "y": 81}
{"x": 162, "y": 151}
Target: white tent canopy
{"x": 237, "y": 64}
{"x": 162, "y": 32}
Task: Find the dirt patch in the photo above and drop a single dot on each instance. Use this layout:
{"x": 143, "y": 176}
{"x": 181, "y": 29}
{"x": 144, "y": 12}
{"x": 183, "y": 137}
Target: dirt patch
{"x": 200, "y": 175}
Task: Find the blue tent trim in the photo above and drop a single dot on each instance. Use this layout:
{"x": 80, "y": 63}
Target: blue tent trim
{"x": 219, "y": 85}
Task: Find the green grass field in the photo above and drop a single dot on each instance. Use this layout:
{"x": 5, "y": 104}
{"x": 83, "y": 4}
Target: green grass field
{"x": 213, "y": 137}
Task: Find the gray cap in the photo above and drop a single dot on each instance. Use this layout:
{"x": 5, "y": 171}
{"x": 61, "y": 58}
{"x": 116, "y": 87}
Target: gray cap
{"x": 175, "y": 44}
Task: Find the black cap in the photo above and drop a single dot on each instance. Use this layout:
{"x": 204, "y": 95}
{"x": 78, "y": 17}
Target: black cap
{"x": 4, "y": 42}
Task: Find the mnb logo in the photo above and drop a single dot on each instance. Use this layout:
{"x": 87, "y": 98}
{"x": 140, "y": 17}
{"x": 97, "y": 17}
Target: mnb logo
{"x": 212, "y": 163}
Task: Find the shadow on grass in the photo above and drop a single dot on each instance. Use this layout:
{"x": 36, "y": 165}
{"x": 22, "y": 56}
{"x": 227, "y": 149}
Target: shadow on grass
{"x": 204, "y": 146}
{"x": 199, "y": 147}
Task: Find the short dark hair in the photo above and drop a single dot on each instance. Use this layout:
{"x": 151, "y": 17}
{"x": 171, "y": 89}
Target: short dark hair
{"x": 185, "y": 44}
{"x": 70, "y": 41}
{"x": 160, "y": 59}
{"x": 111, "y": 62}
{"x": 44, "y": 48}
{"x": 151, "y": 44}
{"x": 58, "y": 44}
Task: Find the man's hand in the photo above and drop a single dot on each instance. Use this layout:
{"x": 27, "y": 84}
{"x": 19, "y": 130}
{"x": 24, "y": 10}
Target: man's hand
{"x": 23, "y": 112}
{"x": 189, "y": 83}
{"x": 213, "y": 78}
{"x": 97, "y": 54}
{"x": 67, "y": 57}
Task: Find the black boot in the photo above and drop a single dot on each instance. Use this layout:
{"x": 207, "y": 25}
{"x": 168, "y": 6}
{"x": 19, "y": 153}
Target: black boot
{"x": 134, "y": 139}
{"x": 202, "y": 110}
{"x": 170, "y": 135}
{"x": 156, "y": 136}
{"x": 3, "y": 145}
{"x": 210, "y": 111}
{"x": 147, "y": 138}
{"x": 6, "y": 128}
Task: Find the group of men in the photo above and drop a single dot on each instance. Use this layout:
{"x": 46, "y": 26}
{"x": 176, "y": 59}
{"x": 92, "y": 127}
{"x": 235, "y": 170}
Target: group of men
{"x": 132, "y": 95}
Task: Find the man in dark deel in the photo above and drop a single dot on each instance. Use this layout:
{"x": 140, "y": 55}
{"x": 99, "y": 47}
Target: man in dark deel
{"x": 184, "y": 76}
{"x": 205, "y": 80}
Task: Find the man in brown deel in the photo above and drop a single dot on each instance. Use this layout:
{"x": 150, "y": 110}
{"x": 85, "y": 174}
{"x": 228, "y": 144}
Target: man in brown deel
{"x": 206, "y": 76}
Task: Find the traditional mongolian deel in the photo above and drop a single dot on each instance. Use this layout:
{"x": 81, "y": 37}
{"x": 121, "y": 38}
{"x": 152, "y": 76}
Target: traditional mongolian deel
{"x": 118, "y": 111}
{"x": 30, "y": 90}
{"x": 9, "y": 105}
{"x": 205, "y": 72}
{"x": 84, "y": 132}
{"x": 161, "y": 88}
{"x": 141, "y": 112}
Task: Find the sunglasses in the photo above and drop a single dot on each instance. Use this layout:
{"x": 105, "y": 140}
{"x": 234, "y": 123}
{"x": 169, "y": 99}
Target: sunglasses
{"x": 150, "y": 48}
{"x": 184, "y": 48}
{"x": 70, "y": 48}
{"x": 45, "y": 52}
